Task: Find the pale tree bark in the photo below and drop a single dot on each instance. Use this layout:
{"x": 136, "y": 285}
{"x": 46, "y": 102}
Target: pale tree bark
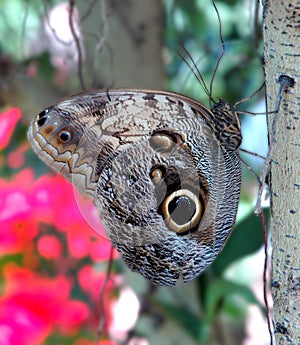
{"x": 282, "y": 57}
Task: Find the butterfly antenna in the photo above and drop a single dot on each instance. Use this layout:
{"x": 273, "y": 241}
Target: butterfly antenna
{"x": 194, "y": 68}
{"x": 222, "y": 52}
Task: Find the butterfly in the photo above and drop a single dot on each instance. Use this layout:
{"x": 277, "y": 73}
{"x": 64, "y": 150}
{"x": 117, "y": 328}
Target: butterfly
{"x": 162, "y": 169}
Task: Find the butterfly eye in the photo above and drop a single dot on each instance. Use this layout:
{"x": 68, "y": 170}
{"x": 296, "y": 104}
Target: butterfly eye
{"x": 182, "y": 210}
{"x": 42, "y": 117}
{"x": 43, "y": 113}
{"x": 65, "y": 136}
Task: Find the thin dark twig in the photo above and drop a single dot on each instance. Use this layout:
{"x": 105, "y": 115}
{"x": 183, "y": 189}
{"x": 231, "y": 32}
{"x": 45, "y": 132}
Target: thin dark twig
{"x": 250, "y": 97}
{"x": 255, "y": 25}
{"x": 102, "y": 40}
{"x": 77, "y": 42}
{"x": 222, "y": 52}
{"x": 251, "y": 170}
{"x": 247, "y": 112}
{"x": 24, "y": 21}
{"x": 89, "y": 10}
{"x": 101, "y": 297}
{"x": 252, "y": 153}
{"x": 249, "y": 167}
{"x": 46, "y": 16}
{"x": 265, "y": 274}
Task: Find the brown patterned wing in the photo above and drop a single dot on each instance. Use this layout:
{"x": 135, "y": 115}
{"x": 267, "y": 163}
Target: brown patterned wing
{"x": 162, "y": 169}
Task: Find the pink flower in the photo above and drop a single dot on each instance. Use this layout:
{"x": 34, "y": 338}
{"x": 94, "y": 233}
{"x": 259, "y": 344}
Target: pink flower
{"x": 49, "y": 247}
{"x": 55, "y": 194}
{"x": 91, "y": 281}
{"x": 8, "y": 121}
{"x": 17, "y": 227}
{"x": 32, "y": 306}
{"x": 83, "y": 341}
{"x": 100, "y": 249}
{"x": 25, "y": 203}
{"x": 40, "y": 220}
{"x": 16, "y": 159}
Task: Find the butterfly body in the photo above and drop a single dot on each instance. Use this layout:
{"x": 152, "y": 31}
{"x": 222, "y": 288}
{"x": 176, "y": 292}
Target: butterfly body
{"x": 162, "y": 169}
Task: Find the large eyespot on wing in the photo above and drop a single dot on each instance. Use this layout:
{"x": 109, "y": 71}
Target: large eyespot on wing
{"x": 180, "y": 198}
{"x": 181, "y": 191}
{"x": 222, "y": 170}
{"x": 182, "y": 210}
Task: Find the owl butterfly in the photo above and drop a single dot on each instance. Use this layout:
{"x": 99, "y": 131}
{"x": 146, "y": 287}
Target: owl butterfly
{"x": 162, "y": 169}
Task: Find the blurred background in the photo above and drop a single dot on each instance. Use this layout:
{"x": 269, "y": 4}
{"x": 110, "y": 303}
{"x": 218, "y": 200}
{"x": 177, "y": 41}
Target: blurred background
{"x": 53, "y": 263}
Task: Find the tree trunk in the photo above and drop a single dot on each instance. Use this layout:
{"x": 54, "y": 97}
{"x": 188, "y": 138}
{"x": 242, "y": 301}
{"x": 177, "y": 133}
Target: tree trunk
{"x": 130, "y": 42}
{"x": 281, "y": 51}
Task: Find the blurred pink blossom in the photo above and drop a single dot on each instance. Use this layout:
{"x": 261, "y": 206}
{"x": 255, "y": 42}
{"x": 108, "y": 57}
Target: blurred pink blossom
{"x": 8, "y": 121}
{"x": 31, "y": 306}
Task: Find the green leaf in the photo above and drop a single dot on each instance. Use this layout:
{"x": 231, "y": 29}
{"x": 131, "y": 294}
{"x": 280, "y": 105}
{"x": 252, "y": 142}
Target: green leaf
{"x": 192, "y": 323}
{"x": 221, "y": 291}
{"x": 245, "y": 239}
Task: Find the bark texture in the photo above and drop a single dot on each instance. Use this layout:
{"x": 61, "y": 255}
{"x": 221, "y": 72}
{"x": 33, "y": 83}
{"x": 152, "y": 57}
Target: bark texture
{"x": 282, "y": 57}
